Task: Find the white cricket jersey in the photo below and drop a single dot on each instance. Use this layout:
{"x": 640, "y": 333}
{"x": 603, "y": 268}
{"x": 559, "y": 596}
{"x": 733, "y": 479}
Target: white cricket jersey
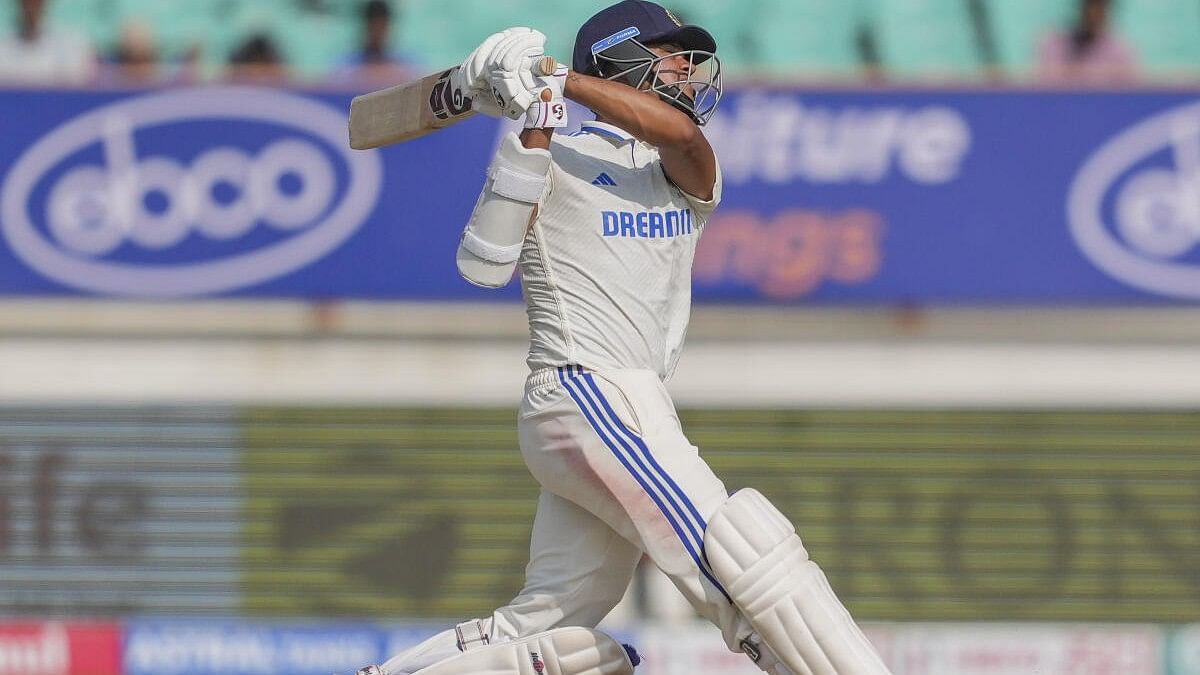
{"x": 606, "y": 269}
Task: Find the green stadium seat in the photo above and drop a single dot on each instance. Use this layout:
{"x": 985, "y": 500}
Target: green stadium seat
{"x": 732, "y": 23}
{"x": 313, "y": 44}
{"x": 808, "y": 38}
{"x": 925, "y": 38}
{"x": 444, "y": 33}
{"x": 441, "y": 32}
{"x": 93, "y": 18}
{"x": 1164, "y": 33}
{"x": 1018, "y": 26}
{"x": 795, "y": 39}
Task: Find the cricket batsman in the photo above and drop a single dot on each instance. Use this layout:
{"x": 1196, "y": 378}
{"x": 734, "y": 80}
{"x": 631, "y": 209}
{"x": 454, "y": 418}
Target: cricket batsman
{"x": 603, "y": 225}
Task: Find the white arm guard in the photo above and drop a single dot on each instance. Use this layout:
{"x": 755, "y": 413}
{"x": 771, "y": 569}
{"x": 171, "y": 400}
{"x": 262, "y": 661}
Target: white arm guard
{"x": 491, "y": 242}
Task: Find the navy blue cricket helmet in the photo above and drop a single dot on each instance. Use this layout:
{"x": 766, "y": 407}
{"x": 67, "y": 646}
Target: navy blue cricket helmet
{"x": 614, "y": 44}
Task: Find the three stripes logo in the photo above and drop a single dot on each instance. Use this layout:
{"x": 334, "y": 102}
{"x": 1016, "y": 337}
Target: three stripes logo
{"x": 605, "y": 180}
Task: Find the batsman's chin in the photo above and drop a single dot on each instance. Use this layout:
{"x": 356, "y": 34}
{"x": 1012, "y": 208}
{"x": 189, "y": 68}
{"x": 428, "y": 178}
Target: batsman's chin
{"x": 484, "y": 273}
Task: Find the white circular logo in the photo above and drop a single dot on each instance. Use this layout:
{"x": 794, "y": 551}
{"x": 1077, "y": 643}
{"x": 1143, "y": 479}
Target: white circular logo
{"x": 1137, "y": 221}
{"x": 153, "y": 203}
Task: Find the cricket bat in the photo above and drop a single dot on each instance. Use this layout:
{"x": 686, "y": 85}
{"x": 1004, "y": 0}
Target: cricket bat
{"x": 414, "y": 109}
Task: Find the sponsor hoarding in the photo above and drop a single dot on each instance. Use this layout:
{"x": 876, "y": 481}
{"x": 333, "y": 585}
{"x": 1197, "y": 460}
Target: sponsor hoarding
{"x": 242, "y": 648}
{"x": 60, "y": 648}
{"x": 1183, "y": 651}
{"x": 107, "y": 512}
{"x": 934, "y": 516}
{"x": 265, "y": 648}
{"x": 938, "y": 649}
{"x": 872, "y": 197}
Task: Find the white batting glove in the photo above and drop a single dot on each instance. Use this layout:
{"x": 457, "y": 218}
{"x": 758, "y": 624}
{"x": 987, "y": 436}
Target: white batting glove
{"x": 509, "y": 72}
{"x": 470, "y": 78}
{"x": 552, "y": 113}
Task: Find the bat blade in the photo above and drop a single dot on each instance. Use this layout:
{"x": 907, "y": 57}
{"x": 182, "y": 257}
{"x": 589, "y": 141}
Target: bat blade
{"x": 406, "y": 111}
{"x": 414, "y": 109}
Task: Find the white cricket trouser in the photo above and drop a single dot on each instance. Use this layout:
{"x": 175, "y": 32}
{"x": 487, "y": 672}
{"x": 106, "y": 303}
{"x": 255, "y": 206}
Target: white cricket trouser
{"x": 618, "y": 478}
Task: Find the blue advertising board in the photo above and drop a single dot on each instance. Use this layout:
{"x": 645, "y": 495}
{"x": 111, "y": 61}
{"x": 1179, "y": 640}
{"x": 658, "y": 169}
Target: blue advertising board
{"x": 231, "y": 647}
{"x": 270, "y": 647}
{"x": 873, "y": 197}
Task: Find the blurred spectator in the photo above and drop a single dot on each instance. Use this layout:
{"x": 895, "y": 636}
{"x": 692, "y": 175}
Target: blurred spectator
{"x": 39, "y": 52}
{"x": 1090, "y": 51}
{"x": 137, "y": 51}
{"x": 137, "y": 60}
{"x": 376, "y": 59}
{"x": 257, "y": 59}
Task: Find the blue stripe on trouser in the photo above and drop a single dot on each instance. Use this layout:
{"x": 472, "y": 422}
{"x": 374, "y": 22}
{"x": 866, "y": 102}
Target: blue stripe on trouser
{"x": 637, "y": 440}
{"x": 701, "y": 560}
{"x": 692, "y": 540}
{"x": 592, "y": 394}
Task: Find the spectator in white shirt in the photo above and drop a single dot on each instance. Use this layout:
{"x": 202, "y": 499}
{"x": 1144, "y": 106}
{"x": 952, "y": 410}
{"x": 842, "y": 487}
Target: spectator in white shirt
{"x": 40, "y": 53}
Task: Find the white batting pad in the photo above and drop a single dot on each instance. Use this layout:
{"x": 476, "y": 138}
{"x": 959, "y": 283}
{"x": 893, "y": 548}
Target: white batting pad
{"x": 754, "y": 551}
{"x": 491, "y": 243}
{"x": 562, "y": 651}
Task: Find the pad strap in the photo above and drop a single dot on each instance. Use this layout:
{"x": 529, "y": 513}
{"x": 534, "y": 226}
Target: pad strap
{"x": 470, "y": 634}
{"x": 514, "y": 183}
{"x": 501, "y": 255}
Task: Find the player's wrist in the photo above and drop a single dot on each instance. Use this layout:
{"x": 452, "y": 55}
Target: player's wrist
{"x": 537, "y": 138}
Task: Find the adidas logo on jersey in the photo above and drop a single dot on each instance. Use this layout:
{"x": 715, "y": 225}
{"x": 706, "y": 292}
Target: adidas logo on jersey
{"x": 604, "y": 179}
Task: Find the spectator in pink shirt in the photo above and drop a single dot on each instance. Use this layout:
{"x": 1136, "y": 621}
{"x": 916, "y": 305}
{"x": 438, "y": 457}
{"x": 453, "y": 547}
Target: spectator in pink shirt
{"x": 1090, "y": 52}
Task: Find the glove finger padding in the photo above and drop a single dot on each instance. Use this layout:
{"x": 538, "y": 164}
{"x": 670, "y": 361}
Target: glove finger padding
{"x": 482, "y": 102}
{"x": 474, "y": 68}
{"x": 517, "y": 53}
{"x": 471, "y": 72}
{"x": 511, "y": 94}
{"x": 510, "y": 75}
{"x": 471, "y": 76}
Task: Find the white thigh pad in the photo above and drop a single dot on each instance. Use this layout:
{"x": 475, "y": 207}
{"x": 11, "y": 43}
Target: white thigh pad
{"x": 754, "y": 551}
{"x": 491, "y": 241}
{"x": 562, "y": 651}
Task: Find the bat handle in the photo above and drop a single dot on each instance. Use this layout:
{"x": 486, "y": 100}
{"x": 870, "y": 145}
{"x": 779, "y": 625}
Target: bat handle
{"x": 545, "y": 66}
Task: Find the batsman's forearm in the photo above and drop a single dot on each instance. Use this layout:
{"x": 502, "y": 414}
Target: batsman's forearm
{"x": 645, "y": 116}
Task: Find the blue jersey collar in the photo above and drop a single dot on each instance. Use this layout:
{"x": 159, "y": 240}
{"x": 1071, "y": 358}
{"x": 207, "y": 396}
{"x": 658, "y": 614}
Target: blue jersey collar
{"x": 606, "y": 130}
